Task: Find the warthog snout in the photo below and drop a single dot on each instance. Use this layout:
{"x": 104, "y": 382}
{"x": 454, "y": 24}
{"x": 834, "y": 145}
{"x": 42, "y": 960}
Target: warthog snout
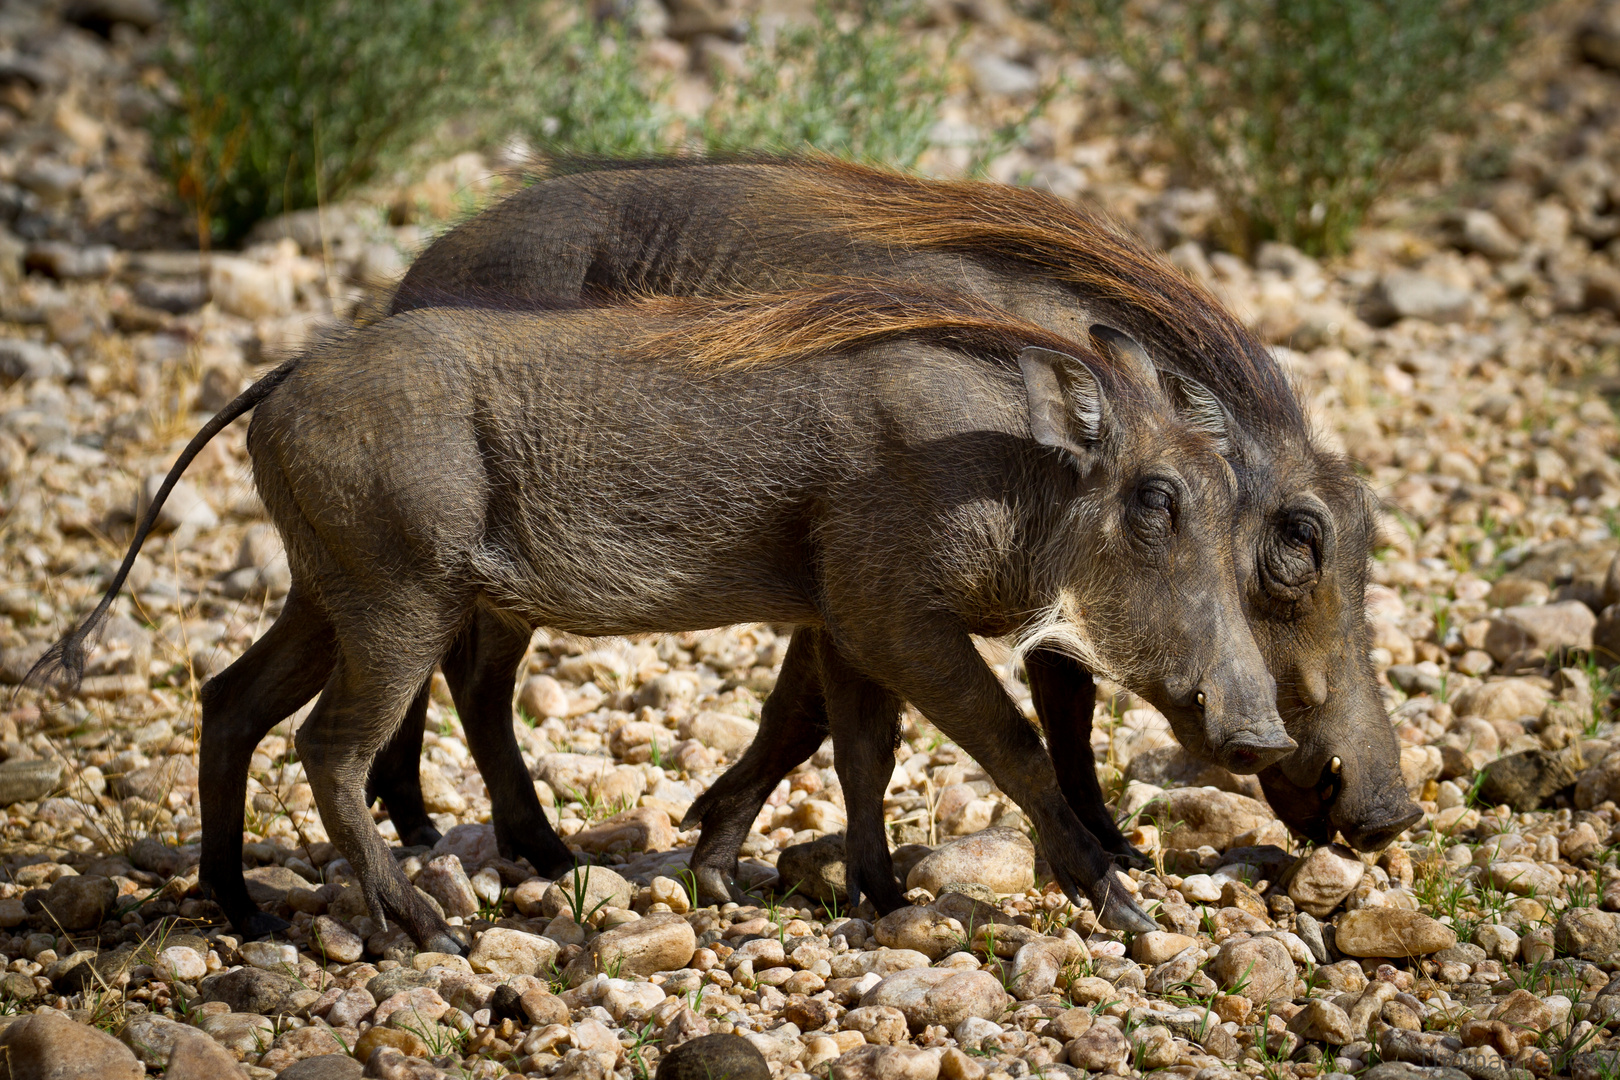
{"x": 1236, "y": 702}
{"x": 1252, "y": 750}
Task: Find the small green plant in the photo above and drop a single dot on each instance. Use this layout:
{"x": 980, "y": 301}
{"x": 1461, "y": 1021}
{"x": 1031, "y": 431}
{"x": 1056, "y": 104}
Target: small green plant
{"x": 644, "y": 1038}
{"x": 852, "y": 87}
{"x": 1299, "y": 112}
{"x": 585, "y": 93}
{"x": 579, "y": 892}
{"x": 294, "y": 103}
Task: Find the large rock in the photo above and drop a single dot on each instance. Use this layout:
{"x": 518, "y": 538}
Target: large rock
{"x": 1100, "y": 1048}
{"x": 589, "y": 778}
{"x": 1588, "y": 934}
{"x": 1322, "y": 1021}
{"x": 1406, "y": 294}
{"x": 1509, "y": 699}
{"x": 446, "y": 881}
{"x": 151, "y": 1038}
{"x": 721, "y": 732}
{"x": 28, "y": 781}
{"x": 1389, "y": 931}
{"x": 602, "y": 888}
{"x": 1193, "y": 817}
{"x": 661, "y": 942}
{"x": 1537, "y": 630}
{"x": 1324, "y": 878}
{"x": 1526, "y": 779}
{"x": 885, "y": 1063}
{"x": 1601, "y": 782}
{"x": 710, "y": 1057}
{"x": 49, "y": 1046}
{"x": 512, "y": 952}
{"x": 197, "y": 1057}
{"x": 817, "y": 869}
{"x": 335, "y": 941}
{"x": 1000, "y": 859}
{"x": 1524, "y": 877}
{"x": 939, "y": 996}
{"x": 641, "y": 829}
{"x": 239, "y": 1032}
{"x": 1259, "y": 969}
{"x": 80, "y": 902}
{"x": 253, "y": 990}
{"x": 923, "y": 929}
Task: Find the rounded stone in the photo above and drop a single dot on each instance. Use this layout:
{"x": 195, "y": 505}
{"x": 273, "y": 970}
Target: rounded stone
{"x": 1259, "y": 969}
{"x": 52, "y": 1047}
{"x": 1101, "y": 1048}
{"x": 923, "y": 929}
{"x": 331, "y": 939}
{"x": 939, "y": 996}
{"x": 1324, "y": 878}
{"x": 602, "y": 889}
{"x": 501, "y": 951}
{"x": 80, "y": 902}
{"x": 1195, "y": 817}
{"x": 1001, "y": 859}
{"x": 1157, "y": 946}
{"x": 660, "y": 942}
{"x": 711, "y": 1056}
{"x": 1588, "y": 934}
{"x": 1394, "y": 932}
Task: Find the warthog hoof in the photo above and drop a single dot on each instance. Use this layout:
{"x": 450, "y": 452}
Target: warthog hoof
{"x": 1116, "y": 910}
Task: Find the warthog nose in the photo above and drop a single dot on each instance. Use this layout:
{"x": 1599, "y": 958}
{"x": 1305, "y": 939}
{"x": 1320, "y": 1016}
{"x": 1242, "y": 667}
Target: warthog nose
{"x": 1251, "y": 751}
{"x": 1378, "y": 836}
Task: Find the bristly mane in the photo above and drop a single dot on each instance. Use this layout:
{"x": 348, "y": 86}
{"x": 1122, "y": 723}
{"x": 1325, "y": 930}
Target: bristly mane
{"x": 1065, "y": 243}
{"x": 745, "y": 329}
{"x": 1098, "y": 258}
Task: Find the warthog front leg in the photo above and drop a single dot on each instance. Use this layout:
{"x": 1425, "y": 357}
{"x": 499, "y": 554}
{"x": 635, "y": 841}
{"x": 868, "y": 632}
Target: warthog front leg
{"x": 1065, "y": 696}
{"x": 937, "y": 669}
{"x": 268, "y": 683}
{"x": 792, "y": 725}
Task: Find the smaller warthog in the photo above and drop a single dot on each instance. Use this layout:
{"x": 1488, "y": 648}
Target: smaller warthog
{"x": 895, "y": 469}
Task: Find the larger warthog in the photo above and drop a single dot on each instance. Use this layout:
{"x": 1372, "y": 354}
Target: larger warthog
{"x": 897, "y": 470}
{"x": 1305, "y": 520}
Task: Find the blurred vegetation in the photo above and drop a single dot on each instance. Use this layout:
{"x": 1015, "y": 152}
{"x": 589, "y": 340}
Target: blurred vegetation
{"x": 285, "y": 105}
{"x": 1299, "y": 112}
{"x": 849, "y": 86}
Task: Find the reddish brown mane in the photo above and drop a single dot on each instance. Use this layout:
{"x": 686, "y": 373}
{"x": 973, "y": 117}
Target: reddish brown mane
{"x": 1064, "y": 242}
{"x": 749, "y": 329}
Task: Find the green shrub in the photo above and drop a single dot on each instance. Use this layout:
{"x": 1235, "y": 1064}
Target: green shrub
{"x": 583, "y": 92}
{"x": 284, "y": 104}
{"x": 855, "y": 88}
{"x": 1298, "y": 112}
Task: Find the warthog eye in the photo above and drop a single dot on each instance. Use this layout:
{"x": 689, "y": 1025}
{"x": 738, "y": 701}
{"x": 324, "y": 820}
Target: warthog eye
{"x": 1155, "y": 497}
{"x": 1292, "y": 560}
{"x": 1303, "y": 534}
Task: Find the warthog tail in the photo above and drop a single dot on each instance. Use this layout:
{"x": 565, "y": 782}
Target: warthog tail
{"x": 63, "y": 664}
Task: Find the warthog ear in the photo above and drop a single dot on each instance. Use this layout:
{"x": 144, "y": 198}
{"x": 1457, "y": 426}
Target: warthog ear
{"x": 1202, "y": 409}
{"x": 1125, "y": 351}
{"x": 1066, "y": 405}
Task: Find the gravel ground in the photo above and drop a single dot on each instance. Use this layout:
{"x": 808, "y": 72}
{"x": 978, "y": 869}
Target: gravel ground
{"x": 1464, "y": 353}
